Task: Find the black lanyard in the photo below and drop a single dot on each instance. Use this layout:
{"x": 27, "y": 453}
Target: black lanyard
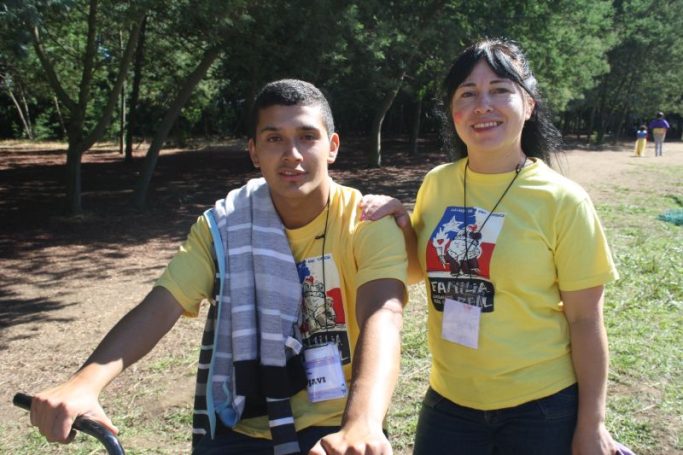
{"x": 322, "y": 258}
{"x": 518, "y": 168}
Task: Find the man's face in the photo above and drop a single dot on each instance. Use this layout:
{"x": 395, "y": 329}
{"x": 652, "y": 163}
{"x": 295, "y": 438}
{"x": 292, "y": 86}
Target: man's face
{"x": 292, "y": 149}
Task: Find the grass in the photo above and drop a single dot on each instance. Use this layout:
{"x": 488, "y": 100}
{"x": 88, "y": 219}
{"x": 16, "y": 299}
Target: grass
{"x": 414, "y": 378}
{"x": 643, "y": 315}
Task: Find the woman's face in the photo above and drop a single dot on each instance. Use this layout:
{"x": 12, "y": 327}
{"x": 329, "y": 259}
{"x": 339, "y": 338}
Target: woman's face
{"x": 489, "y": 112}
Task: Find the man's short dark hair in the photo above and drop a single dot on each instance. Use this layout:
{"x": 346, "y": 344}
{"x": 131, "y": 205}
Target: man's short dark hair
{"x": 290, "y": 92}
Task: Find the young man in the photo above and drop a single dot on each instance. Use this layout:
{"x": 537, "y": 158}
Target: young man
{"x": 307, "y": 299}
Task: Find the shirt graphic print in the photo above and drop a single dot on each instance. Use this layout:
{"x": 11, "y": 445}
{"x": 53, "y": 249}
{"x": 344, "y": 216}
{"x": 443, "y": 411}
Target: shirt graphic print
{"x": 323, "y": 320}
{"x": 458, "y": 257}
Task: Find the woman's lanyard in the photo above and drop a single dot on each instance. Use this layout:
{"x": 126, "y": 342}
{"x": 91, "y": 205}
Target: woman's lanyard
{"x": 518, "y": 168}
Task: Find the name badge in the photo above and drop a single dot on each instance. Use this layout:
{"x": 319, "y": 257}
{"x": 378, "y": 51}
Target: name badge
{"x": 461, "y": 323}
{"x": 324, "y": 373}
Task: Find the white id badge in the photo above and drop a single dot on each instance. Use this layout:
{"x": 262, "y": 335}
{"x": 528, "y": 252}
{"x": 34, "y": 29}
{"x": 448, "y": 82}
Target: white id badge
{"x": 461, "y": 323}
{"x": 324, "y": 373}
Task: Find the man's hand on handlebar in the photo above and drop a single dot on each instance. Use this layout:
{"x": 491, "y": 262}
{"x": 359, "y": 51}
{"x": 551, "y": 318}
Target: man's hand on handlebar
{"x": 54, "y": 410}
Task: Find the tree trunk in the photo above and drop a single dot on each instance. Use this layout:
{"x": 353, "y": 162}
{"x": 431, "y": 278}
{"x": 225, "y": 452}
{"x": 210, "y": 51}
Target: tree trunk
{"x": 20, "y": 111}
{"x": 59, "y": 116}
{"x": 135, "y": 91}
{"x": 167, "y": 123}
{"x": 73, "y": 173}
{"x": 566, "y": 123}
{"x": 243, "y": 125}
{"x": 122, "y": 118}
{"x": 29, "y": 122}
{"x": 618, "y": 131}
{"x": 600, "y": 130}
{"x": 415, "y": 129}
{"x": 625, "y": 108}
{"x": 375, "y": 152}
{"x": 579, "y": 123}
{"x": 591, "y": 124}
{"x": 122, "y": 105}
{"x": 73, "y": 181}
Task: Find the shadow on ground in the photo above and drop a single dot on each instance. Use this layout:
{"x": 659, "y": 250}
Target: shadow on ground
{"x": 41, "y": 248}
{"x": 16, "y": 311}
{"x": 184, "y": 184}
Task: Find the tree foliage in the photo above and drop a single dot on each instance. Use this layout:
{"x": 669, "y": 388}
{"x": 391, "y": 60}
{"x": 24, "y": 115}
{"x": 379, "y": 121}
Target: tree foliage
{"x": 602, "y": 65}
{"x": 646, "y": 66}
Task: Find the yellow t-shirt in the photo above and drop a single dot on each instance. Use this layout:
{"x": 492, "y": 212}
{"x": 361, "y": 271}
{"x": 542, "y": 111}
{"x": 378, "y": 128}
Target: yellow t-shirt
{"x": 355, "y": 253}
{"x": 543, "y": 237}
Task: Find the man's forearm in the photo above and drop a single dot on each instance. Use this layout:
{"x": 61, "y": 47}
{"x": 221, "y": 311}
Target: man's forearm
{"x": 376, "y": 366}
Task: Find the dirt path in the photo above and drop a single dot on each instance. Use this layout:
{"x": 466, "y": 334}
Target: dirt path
{"x": 63, "y": 284}
{"x": 600, "y": 172}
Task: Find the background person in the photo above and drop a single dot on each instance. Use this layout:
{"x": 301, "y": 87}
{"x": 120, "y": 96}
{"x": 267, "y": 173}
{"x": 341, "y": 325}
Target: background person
{"x": 307, "y": 248}
{"x": 659, "y": 126}
{"x": 641, "y": 140}
{"x": 518, "y": 344}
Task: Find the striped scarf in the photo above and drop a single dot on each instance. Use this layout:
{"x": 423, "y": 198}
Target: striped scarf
{"x": 251, "y": 334}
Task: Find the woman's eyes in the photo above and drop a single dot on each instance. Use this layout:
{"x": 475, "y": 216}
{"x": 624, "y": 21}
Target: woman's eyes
{"x": 493, "y": 91}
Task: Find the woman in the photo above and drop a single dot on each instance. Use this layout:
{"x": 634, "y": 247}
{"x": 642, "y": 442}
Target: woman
{"x": 515, "y": 260}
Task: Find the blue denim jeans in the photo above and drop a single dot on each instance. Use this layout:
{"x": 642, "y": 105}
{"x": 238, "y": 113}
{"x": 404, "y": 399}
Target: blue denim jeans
{"x": 234, "y": 443}
{"x": 544, "y": 426}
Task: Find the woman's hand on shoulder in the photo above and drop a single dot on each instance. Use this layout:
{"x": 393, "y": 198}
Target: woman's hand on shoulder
{"x": 377, "y": 206}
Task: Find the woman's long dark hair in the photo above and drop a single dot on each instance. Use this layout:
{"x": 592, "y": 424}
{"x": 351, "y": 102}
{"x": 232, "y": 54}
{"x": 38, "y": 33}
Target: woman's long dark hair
{"x": 539, "y": 136}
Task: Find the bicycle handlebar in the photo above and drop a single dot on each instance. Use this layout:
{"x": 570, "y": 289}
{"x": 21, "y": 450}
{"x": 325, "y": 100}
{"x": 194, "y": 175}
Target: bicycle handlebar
{"x": 87, "y": 426}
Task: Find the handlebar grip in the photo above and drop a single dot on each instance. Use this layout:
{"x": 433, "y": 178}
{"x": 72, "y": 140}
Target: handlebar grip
{"x": 22, "y": 400}
{"x": 87, "y": 426}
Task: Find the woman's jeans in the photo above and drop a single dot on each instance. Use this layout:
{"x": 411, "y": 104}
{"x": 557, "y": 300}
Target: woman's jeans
{"x": 544, "y": 426}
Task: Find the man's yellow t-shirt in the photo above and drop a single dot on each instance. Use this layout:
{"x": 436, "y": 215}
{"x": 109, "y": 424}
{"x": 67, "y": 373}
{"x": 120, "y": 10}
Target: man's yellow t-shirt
{"x": 355, "y": 253}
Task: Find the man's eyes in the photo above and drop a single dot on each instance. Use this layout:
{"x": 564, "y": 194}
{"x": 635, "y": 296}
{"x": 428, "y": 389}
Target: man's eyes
{"x": 304, "y": 137}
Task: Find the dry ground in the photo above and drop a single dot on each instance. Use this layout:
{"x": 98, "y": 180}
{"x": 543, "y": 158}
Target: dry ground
{"x": 65, "y": 282}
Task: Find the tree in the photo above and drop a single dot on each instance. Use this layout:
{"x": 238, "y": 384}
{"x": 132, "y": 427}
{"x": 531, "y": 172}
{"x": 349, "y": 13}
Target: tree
{"x": 387, "y": 42}
{"x": 17, "y": 80}
{"x": 646, "y": 66}
{"x": 11, "y": 85}
{"x": 54, "y": 24}
{"x": 209, "y": 26}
